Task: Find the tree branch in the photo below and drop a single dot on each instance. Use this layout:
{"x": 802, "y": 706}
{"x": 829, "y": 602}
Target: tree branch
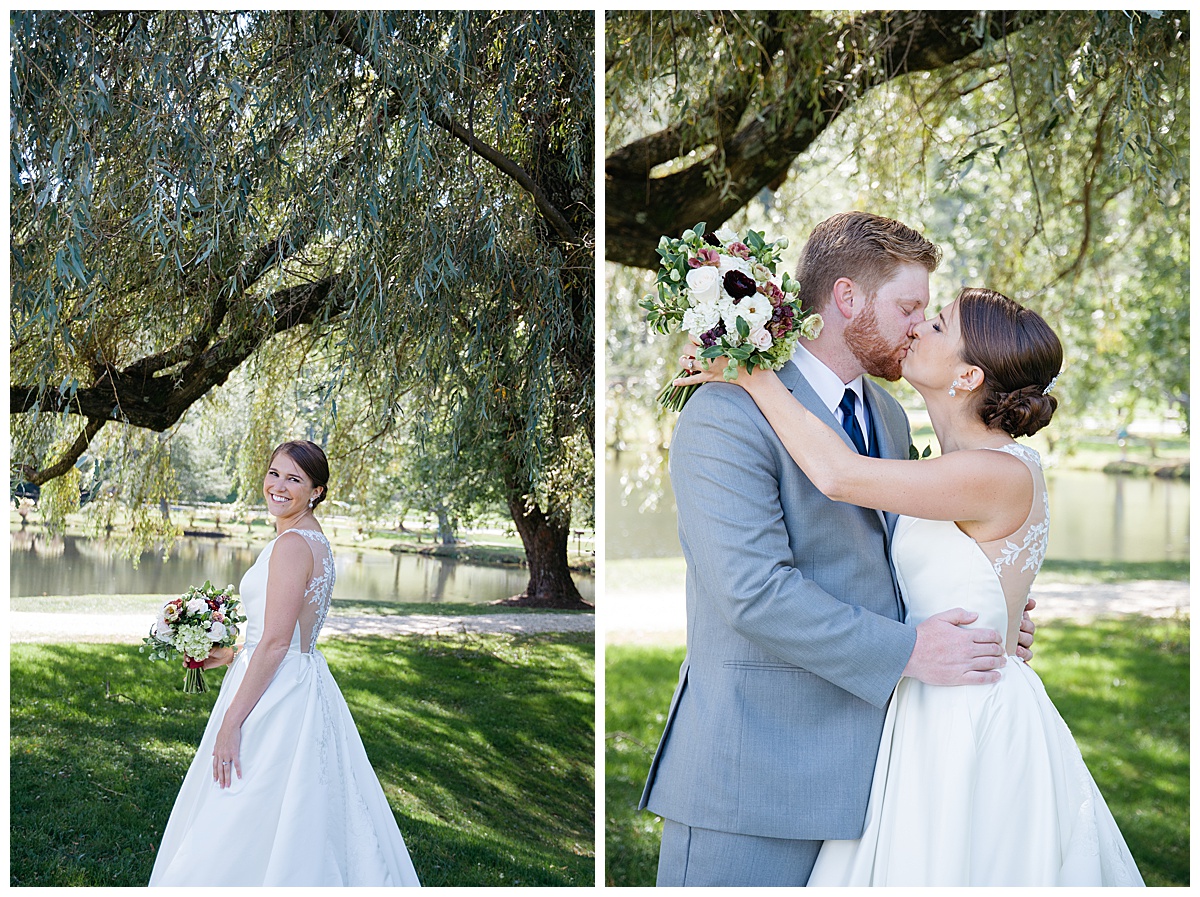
{"x": 67, "y": 461}
{"x": 729, "y": 104}
{"x": 141, "y": 396}
{"x": 498, "y": 160}
{"x": 640, "y": 209}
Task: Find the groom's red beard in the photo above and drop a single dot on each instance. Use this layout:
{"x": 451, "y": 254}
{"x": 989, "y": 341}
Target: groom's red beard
{"x": 878, "y": 357}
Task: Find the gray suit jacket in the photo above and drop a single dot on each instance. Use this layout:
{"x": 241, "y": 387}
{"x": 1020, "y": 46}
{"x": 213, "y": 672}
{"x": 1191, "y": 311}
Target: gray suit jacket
{"x": 793, "y": 628}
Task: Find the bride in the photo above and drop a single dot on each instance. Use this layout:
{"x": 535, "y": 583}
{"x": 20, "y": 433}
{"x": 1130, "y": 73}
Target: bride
{"x": 280, "y": 792}
{"x": 981, "y": 785}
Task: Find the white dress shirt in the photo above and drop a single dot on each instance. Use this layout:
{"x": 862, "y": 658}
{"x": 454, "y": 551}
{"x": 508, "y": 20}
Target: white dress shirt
{"x": 829, "y": 387}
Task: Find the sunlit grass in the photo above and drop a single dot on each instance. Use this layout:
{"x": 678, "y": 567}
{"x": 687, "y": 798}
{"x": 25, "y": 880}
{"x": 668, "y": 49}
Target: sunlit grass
{"x": 1121, "y": 685}
{"x": 484, "y": 746}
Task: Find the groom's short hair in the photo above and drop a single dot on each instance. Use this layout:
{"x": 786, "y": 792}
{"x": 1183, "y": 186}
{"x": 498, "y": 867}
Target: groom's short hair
{"x": 864, "y": 247}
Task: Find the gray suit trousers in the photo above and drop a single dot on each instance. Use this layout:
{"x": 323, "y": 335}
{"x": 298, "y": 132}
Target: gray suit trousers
{"x": 700, "y": 857}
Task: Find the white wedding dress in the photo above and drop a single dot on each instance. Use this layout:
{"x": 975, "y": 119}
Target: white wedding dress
{"x": 308, "y": 809}
{"x": 978, "y": 784}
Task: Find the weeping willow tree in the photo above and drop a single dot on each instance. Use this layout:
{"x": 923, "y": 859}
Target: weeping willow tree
{"x": 1046, "y": 151}
{"x": 407, "y": 194}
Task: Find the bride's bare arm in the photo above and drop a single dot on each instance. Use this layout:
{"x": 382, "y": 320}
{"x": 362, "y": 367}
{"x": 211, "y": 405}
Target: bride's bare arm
{"x": 963, "y": 486}
{"x": 288, "y": 574}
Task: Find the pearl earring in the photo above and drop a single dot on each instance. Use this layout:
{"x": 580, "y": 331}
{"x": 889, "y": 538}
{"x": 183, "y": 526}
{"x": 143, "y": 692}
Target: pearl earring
{"x": 957, "y": 383}
{"x": 310, "y": 503}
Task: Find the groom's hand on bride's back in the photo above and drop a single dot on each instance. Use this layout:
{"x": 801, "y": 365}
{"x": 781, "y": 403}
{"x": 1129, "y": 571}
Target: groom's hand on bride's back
{"x": 946, "y": 653}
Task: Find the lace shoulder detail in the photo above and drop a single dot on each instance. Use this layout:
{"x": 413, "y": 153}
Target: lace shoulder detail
{"x": 1024, "y": 452}
{"x": 1036, "y": 536}
{"x": 320, "y": 588}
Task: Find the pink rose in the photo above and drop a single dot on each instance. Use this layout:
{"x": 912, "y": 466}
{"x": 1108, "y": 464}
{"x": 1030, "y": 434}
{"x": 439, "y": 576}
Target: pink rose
{"x": 741, "y": 250}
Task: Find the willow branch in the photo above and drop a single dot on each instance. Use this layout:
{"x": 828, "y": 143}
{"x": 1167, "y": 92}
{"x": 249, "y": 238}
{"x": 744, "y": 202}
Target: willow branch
{"x": 67, "y": 461}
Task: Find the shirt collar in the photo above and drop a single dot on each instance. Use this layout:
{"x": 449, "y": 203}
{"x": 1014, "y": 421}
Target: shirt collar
{"x": 825, "y": 383}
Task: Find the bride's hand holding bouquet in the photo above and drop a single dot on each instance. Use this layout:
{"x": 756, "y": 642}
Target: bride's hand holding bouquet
{"x": 201, "y": 626}
{"x": 723, "y": 289}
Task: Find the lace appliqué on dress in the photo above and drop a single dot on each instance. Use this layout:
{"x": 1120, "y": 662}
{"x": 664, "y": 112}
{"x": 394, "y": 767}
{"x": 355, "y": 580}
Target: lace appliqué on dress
{"x": 1037, "y": 537}
{"x": 320, "y": 593}
{"x": 320, "y": 587}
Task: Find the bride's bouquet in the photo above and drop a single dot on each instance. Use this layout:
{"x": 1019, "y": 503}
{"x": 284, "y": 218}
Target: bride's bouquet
{"x": 722, "y": 289}
{"x": 191, "y": 625}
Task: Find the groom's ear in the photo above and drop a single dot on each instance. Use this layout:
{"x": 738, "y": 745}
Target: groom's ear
{"x": 846, "y": 295}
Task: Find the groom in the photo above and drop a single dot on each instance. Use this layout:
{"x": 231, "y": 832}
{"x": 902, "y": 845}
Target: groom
{"x": 794, "y": 632}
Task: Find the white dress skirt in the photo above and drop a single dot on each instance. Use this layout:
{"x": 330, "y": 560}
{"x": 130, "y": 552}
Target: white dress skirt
{"x": 308, "y": 809}
{"x": 978, "y": 784}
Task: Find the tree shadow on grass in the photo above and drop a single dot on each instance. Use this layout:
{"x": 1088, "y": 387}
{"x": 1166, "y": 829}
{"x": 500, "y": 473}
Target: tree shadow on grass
{"x": 484, "y": 750}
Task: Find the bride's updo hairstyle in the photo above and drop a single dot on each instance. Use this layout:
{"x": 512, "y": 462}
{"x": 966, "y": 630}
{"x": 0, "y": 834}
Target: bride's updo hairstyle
{"x": 1019, "y": 355}
{"x": 311, "y": 459}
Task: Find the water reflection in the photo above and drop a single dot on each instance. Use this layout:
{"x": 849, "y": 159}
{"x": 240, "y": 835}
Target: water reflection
{"x": 71, "y": 565}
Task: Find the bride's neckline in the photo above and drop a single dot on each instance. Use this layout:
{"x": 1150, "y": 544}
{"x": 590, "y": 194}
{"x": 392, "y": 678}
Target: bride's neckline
{"x": 297, "y": 529}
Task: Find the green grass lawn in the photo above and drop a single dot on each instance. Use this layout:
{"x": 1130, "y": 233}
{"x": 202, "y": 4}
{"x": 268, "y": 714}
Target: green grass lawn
{"x": 484, "y": 746}
{"x": 1121, "y": 685}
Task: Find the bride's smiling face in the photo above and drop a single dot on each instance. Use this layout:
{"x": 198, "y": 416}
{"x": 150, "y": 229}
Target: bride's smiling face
{"x": 935, "y": 354}
{"x": 287, "y": 488}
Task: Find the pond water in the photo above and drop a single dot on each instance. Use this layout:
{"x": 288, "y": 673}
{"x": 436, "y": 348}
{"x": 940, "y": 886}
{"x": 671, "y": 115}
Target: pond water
{"x": 72, "y": 565}
{"x": 1094, "y": 516}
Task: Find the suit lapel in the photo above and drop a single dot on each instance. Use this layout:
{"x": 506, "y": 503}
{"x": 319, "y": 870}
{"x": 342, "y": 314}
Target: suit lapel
{"x": 790, "y": 376}
{"x": 891, "y": 448}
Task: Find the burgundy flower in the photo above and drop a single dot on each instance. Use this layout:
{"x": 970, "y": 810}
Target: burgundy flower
{"x": 739, "y": 285}
{"x": 711, "y": 240}
{"x": 711, "y": 337}
{"x": 772, "y": 292}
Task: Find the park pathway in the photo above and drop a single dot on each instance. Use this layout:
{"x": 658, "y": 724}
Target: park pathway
{"x": 637, "y": 617}
{"x": 630, "y": 616}
{"x": 39, "y": 627}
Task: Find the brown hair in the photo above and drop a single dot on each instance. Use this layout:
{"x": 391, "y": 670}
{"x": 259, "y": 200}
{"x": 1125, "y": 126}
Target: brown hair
{"x": 864, "y": 247}
{"x": 311, "y": 459}
{"x": 1019, "y": 355}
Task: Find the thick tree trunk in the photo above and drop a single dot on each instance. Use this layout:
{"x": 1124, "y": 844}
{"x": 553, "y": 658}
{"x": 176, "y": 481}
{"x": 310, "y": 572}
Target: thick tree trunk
{"x": 545, "y": 540}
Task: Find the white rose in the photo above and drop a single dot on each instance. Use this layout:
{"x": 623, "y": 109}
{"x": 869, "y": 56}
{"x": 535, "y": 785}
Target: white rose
{"x": 760, "y": 338}
{"x": 162, "y": 631}
{"x": 216, "y": 631}
{"x": 704, "y": 285}
{"x": 725, "y": 235}
{"x": 197, "y": 606}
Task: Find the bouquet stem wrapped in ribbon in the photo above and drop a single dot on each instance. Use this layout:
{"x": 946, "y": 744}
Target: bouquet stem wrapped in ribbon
{"x": 190, "y": 626}
{"x": 723, "y": 289}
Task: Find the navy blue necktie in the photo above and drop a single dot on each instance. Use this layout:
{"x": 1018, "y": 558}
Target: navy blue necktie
{"x": 850, "y": 422}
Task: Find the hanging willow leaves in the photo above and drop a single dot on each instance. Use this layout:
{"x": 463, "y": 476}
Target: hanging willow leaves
{"x": 1047, "y": 152}
{"x": 411, "y": 191}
